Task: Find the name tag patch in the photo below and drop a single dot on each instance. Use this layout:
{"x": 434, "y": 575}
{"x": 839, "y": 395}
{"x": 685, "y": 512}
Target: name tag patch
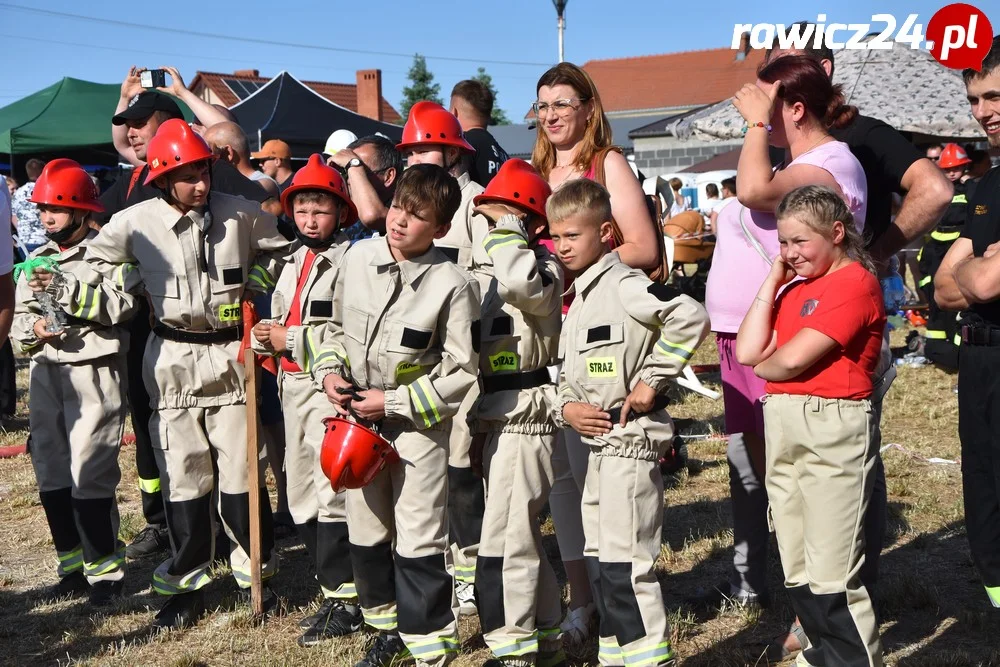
{"x": 230, "y": 312}
{"x": 321, "y": 308}
{"x": 504, "y": 361}
{"x": 602, "y": 367}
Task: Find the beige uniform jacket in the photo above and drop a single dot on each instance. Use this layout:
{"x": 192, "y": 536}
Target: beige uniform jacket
{"x": 464, "y": 239}
{"x": 92, "y": 302}
{"x": 521, "y": 317}
{"x": 195, "y": 281}
{"x": 316, "y": 301}
{"x": 408, "y": 328}
{"x": 620, "y": 329}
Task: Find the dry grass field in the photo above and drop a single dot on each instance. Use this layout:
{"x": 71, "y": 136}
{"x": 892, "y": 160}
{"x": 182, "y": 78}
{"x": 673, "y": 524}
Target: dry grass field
{"x": 934, "y": 610}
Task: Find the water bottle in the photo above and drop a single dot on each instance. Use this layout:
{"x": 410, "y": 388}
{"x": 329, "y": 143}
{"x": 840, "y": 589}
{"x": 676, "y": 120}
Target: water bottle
{"x": 893, "y": 290}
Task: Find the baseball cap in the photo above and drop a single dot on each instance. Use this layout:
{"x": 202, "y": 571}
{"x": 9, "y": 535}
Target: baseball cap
{"x": 273, "y": 148}
{"x": 144, "y": 104}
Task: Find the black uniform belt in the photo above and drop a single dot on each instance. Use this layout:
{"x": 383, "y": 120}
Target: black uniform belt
{"x": 980, "y": 335}
{"x": 81, "y": 322}
{"x": 227, "y": 335}
{"x": 513, "y": 381}
{"x": 659, "y": 403}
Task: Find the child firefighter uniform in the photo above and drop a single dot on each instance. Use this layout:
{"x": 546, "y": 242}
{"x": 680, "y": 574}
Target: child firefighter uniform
{"x": 432, "y": 129}
{"x": 405, "y": 331}
{"x": 76, "y": 398}
{"x": 195, "y": 256}
{"x": 302, "y": 306}
{"x": 623, "y": 335}
{"x": 516, "y": 588}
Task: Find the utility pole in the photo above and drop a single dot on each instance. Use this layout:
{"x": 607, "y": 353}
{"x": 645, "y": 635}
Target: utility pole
{"x": 560, "y": 6}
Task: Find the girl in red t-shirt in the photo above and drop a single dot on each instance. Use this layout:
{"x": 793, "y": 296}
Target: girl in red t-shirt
{"x": 817, "y": 345}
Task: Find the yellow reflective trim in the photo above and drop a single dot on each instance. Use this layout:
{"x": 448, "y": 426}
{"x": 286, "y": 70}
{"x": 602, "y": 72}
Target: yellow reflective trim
{"x": 926, "y": 280}
{"x": 935, "y": 334}
{"x": 494, "y": 242}
{"x": 959, "y": 199}
{"x": 430, "y": 397}
{"x": 945, "y": 236}
{"x": 149, "y": 485}
{"x": 957, "y": 340}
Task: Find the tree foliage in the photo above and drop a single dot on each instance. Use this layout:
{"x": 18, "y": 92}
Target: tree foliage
{"x": 498, "y": 117}
{"x": 422, "y": 86}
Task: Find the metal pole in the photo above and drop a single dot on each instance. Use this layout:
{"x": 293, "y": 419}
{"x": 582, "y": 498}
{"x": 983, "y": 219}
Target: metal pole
{"x": 562, "y": 27}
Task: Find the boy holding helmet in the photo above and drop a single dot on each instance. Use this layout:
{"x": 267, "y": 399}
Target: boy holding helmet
{"x": 302, "y": 306}
{"x": 433, "y": 135}
{"x": 403, "y": 352}
{"x": 196, "y": 257}
{"x": 517, "y": 591}
{"x": 76, "y": 398}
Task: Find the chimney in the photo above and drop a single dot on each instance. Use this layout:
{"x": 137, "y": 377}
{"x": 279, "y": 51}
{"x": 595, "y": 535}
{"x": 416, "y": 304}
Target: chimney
{"x": 744, "y": 49}
{"x": 370, "y": 93}
{"x": 247, "y": 72}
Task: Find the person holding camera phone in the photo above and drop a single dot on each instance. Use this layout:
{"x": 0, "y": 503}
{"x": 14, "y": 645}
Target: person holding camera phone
{"x": 139, "y": 114}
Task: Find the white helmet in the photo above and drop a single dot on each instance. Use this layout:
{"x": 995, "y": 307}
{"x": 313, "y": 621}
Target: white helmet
{"x": 338, "y": 141}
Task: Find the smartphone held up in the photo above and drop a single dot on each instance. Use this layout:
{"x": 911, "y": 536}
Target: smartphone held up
{"x": 153, "y": 78}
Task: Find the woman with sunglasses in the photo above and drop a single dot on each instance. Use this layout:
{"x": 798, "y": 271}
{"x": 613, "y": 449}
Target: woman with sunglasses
{"x": 572, "y": 135}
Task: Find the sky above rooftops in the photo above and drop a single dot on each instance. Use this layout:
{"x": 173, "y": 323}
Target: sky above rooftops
{"x": 514, "y": 40}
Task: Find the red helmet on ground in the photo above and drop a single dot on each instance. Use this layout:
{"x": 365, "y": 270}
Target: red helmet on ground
{"x": 953, "y": 155}
{"x": 351, "y": 455}
{"x": 317, "y": 175}
{"x": 519, "y": 184}
{"x": 430, "y": 123}
{"x": 174, "y": 145}
{"x": 63, "y": 182}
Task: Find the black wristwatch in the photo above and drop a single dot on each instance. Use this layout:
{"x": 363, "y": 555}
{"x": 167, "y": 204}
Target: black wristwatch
{"x": 354, "y": 162}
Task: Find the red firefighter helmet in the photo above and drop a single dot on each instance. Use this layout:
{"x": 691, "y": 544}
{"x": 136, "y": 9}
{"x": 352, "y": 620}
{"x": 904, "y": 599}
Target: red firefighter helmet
{"x": 953, "y": 155}
{"x": 351, "y": 455}
{"x": 430, "y": 123}
{"x": 519, "y": 184}
{"x": 317, "y": 175}
{"x": 174, "y": 145}
{"x": 63, "y": 182}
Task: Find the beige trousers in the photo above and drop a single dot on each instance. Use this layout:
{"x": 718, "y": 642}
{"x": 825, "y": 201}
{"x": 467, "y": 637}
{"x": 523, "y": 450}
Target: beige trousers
{"x": 399, "y": 546}
{"x": 820, "y": 472}
{"x": 516, "y": 587}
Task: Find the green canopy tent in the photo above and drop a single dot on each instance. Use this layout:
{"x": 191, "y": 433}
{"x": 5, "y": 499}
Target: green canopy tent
{"x": 70, "y": 118}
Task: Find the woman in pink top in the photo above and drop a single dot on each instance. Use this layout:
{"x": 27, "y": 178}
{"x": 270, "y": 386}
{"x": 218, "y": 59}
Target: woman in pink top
{"x": 791, "y": 106}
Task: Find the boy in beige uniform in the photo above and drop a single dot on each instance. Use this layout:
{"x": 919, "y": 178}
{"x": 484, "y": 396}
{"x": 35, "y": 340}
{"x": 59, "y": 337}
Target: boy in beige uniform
{"x": 196, "y": 257}
{"x": 623, "y": 338}
{"x": 518, "y": 594}
{"x": 76, "y": 398}
{"x": 405, "y": 337}
{"x": 302, "y": 307}
{"x": 433, "y": 135}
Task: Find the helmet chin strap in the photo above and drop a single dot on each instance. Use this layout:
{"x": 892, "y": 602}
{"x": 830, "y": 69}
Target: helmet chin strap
{"x": 61, "y": 236}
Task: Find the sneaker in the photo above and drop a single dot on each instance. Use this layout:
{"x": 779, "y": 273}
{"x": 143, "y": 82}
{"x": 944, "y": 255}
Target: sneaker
{"x": 103, "y": 593}
{"x": 150, "y": 541}
{"x": 270, "y": 600}
{"x": 388, "y": 649}
{"x": 324, "y": 608}
{"x": 180, "y": 611}
{"x": 73, "y": 585}
{"x": 342, "y": 619}
{"x": 466, "y": 594}
{"x": 509, "y": 662}
{"x": 723, "y": 594}
{"x": 577, "y": 626}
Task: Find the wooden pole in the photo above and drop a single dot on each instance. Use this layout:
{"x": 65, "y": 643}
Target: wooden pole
{"x": 253, "y": 477}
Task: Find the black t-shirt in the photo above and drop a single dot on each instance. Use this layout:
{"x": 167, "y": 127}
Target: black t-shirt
{"x": 225, "y": 178}
{"x": 982, "y": 227}
{"x": 885, "y": 155}
{"x": 488, "y": 158}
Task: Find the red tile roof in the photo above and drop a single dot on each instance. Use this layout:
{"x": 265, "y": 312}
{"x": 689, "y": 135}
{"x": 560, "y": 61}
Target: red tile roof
{"x": 344, "y": 94}
{"x": 669, "y": 80}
